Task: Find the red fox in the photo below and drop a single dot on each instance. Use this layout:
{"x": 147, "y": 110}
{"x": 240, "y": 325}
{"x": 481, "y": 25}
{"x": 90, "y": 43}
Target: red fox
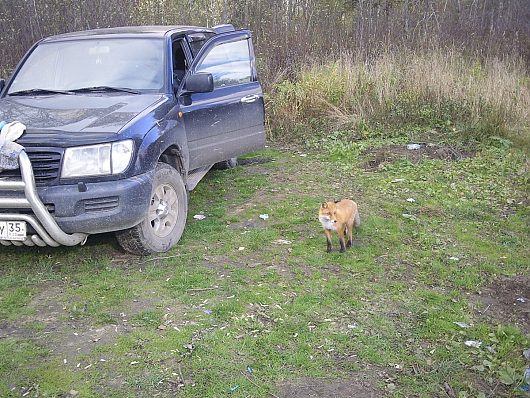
{"x": 339, "y": 216}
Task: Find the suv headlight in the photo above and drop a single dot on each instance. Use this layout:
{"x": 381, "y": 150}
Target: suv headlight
{"x": 94, "y": 160}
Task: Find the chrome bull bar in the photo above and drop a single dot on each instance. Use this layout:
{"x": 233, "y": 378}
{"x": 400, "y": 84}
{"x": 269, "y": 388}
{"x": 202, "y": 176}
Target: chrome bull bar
{"x": 48, "y": 233}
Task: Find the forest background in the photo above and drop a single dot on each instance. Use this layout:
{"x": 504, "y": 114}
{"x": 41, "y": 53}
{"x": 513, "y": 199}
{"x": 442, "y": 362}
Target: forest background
{"x": 348, "y": 64}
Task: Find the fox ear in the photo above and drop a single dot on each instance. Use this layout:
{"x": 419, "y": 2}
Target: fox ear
{"x": 324, "y": 205}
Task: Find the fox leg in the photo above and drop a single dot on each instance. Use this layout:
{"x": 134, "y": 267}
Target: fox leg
{"x": 350, "y": 235}
{"x": 328, "y": 239}
{"x": 341, "y": 233}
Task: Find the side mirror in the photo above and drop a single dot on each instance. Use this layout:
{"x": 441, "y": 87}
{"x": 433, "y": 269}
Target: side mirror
{"x": 199, "y": 83}
{"x": 2, "y": 84}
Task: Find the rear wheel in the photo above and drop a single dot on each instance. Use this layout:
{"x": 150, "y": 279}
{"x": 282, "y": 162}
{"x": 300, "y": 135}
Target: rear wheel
{"x": 226, "y": 164}
{"x": 164, "y": 222}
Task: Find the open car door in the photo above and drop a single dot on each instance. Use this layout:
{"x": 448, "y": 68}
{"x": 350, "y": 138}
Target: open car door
{"x": 228, "y": 121}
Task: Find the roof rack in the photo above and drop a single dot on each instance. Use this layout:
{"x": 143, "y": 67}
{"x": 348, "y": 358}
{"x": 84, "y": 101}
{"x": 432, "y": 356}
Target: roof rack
{"x": 227, "y": 27}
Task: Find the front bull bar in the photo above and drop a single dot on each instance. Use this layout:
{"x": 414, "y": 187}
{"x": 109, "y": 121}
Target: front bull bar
{"x": 48, "y": 233}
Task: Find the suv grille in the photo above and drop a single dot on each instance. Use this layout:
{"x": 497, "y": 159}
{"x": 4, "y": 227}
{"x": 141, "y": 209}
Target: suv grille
{"x": 46, "y": 163}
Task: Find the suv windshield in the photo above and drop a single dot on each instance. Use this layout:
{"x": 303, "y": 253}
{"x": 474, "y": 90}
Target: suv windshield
{"x": 76, "y": 64}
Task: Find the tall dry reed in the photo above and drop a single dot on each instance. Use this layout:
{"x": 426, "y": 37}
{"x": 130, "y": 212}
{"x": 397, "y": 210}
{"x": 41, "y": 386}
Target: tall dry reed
{"x": 490, "y": 97}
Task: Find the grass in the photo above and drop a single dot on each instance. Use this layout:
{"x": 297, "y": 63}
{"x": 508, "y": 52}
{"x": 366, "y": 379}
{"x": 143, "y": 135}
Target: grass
{"x": 400, "y": 92}
{"x": 264, "y": 313}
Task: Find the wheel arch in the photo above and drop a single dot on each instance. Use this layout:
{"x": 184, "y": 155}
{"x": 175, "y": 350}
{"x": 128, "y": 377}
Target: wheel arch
{"x": 168, "y": 145}
{"x": 173, "y": 156}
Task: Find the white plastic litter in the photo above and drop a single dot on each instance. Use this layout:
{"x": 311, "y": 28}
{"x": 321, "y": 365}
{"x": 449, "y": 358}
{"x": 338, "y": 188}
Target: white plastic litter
{"x": 9, "y": 149}
{"x": 199, "y": 217}
{"x": 473, "y": 343}
{"x": 411, "y": 200}
{"x": 453, "y": 258}
{"x": 264, "y": 216}
{"x": 11, "y": 132}
{"x": 521, "y": 299}
{"x": 413, "y": 147}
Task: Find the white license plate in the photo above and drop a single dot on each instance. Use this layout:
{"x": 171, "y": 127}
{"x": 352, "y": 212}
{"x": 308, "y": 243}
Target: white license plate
{"x": 12, "y": 230}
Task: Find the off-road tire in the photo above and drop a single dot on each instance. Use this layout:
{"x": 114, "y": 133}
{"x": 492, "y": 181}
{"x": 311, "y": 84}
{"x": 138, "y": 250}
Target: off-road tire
{"x": 160, "y": 234}
{"x": 226, "y": 164}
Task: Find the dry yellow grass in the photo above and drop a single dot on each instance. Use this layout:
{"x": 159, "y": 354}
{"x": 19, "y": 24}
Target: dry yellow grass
{"x": 492, "y": 93}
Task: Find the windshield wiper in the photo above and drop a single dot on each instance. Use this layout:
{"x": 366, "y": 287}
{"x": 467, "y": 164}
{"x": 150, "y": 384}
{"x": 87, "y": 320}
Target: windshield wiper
{"x": 40, "y": 91}
{"x": 96, "y": 89}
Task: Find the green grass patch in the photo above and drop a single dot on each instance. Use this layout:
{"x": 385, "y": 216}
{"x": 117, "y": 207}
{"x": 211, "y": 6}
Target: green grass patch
{"x": 240, "y": 292}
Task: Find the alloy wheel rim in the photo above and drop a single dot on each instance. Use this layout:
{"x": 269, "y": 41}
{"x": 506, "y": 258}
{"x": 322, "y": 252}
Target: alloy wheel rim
{"x": 163, "y": 210}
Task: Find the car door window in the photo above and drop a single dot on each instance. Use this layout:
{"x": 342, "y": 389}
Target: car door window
{"x": 229, "y": 63}
{"x": 197, "y": 40}
{"x": 179, "y": 61}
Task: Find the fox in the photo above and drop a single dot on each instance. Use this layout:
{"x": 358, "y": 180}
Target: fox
{"x": 340, "y": 216}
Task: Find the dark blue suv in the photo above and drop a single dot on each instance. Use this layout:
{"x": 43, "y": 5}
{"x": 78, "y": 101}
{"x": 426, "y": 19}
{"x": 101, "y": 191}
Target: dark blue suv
{"x": 120, "y": 124}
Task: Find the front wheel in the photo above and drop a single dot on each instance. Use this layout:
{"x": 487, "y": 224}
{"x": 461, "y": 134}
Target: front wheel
{"x": 164, "y": 222}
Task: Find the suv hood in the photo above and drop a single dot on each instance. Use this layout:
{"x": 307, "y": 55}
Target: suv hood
{"x": 79, "y": 113}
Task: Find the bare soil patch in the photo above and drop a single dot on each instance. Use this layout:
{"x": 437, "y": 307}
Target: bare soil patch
{"x": 46, "y": 310}
{"x": 72, "y": 338}
{"x": 507, "y": 301}
{"x": 360, "y": 387}
{"x": 62, "y": 335}
{"x": 236, "y": 209}
{"x": 378, "y": 157}
{"x": 248, "y": 224}
{"x": 256, "y": 165}
{"x": 75, "y": 339}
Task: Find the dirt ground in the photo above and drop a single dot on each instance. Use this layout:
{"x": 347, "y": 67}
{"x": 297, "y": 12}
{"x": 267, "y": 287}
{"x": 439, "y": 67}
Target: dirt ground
{"x": 378, "y": 157}
{"x": 62, "y": 335}
{"x": 505, "y": 301}
{"x": 360, "y": 387}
